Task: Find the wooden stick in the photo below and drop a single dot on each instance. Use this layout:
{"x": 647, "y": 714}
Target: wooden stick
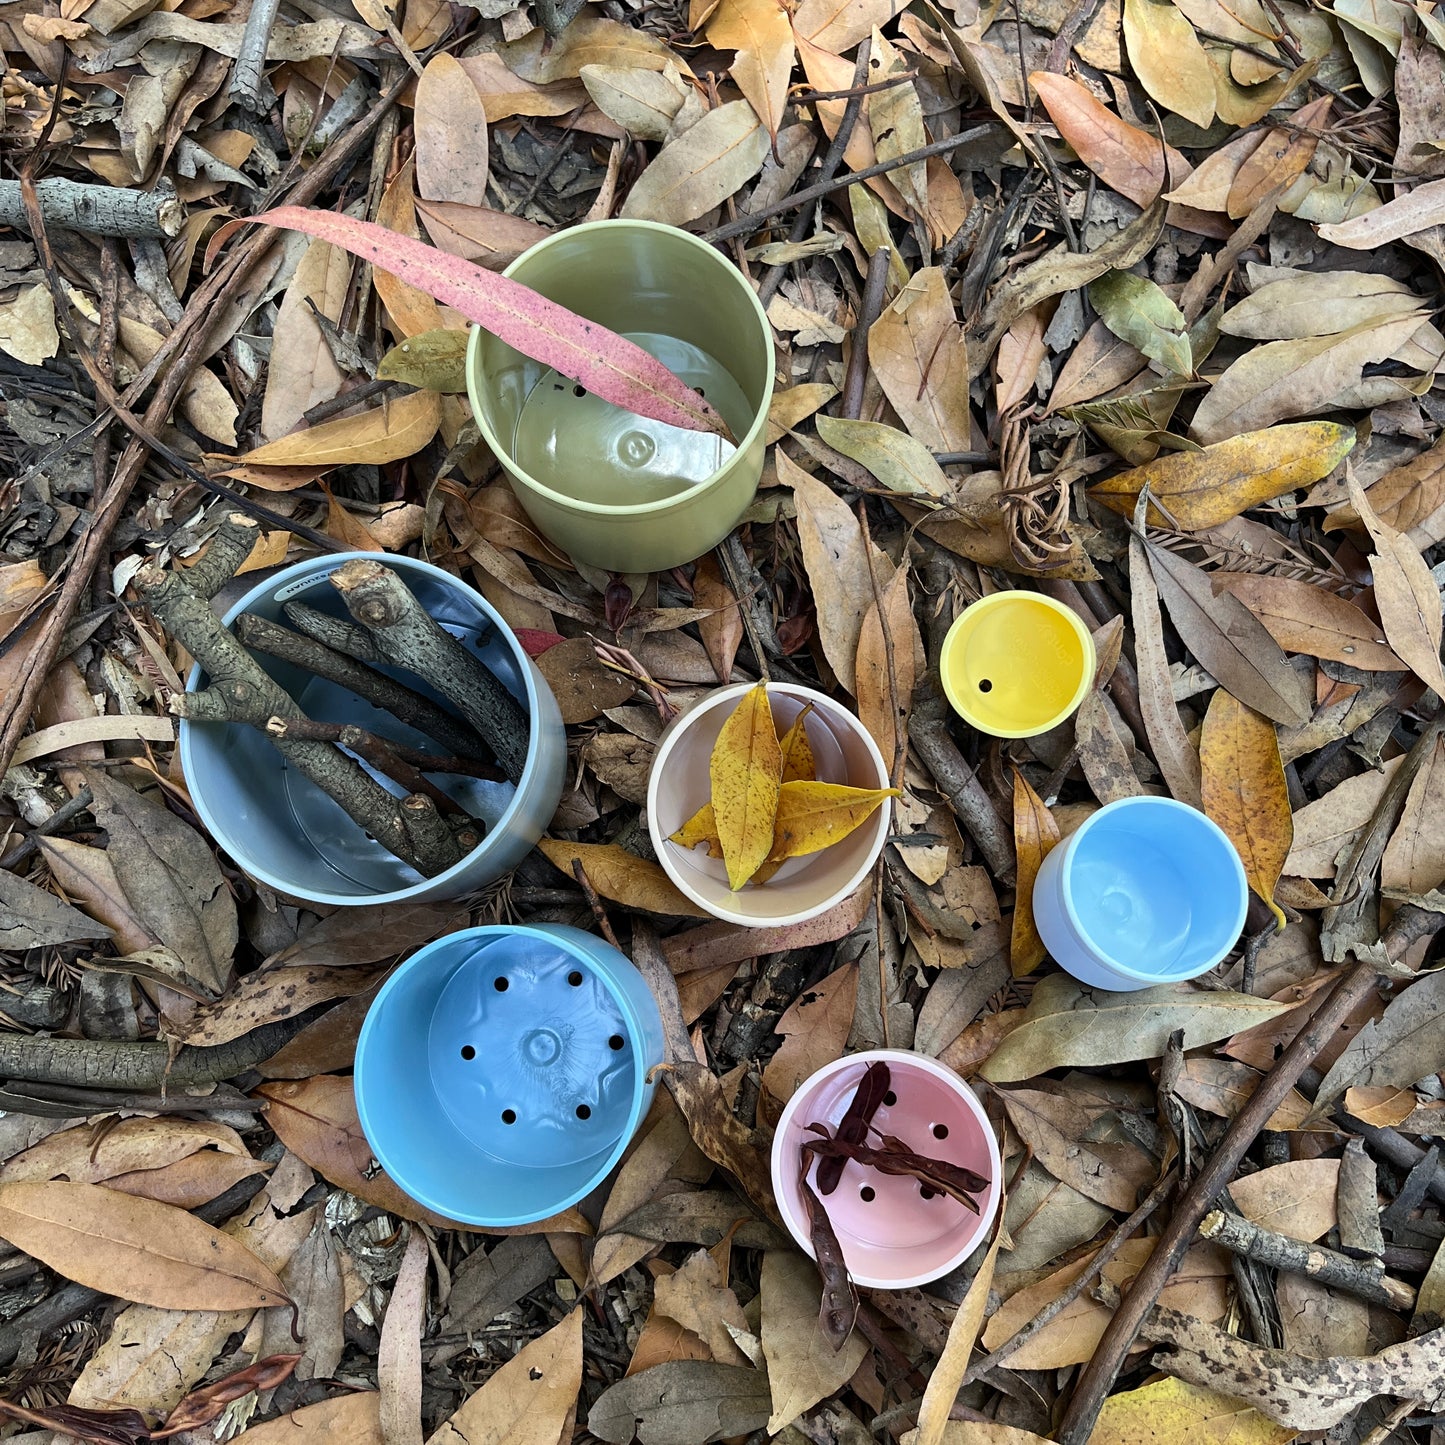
{"x": 1362, "y": 1277}
{"x": 399, "y": 700}
{"x": 96, "y": 210}
{"x": 401, "y": 627}
{"x": 856, "y": 378}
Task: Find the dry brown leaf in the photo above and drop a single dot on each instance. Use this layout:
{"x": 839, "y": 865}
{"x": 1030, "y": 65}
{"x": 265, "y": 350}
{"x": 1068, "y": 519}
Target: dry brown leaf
{"x": 1169, "y": 59}
{"x": 1410, "y": 498}
{"x": 398, "y": 1359}
{"x": 1224, "y": 1087}
{"x": 452, "y": 151}
{"x": 891, "y": 630}
{"x": 814, "y": 1029}
{"x": 527, "y": 1401}
{"x": 1406, "y": 594}
{"x": 1297, "y": 1198}
{"x": 1325, "y": 828}
{"x": 1414, "y": 858}
{"x": 1303, "y": 617}
{"x": 917, "y": 351}
{"x": 353, "y": 1418}
{"x": 837, "y": 566}
{"x": 1279, "y": 159}
{"x": 1176, "y": 755}
{"x": 303, "y": 373}
{"x": 701, "y": 168}
{"x": 803, "y": 1366}
{"x": 1101, "y": 752}
{"x": 134, "y": 1248}
{"x": 1244, "y": 790}
{"x": 412, "y": 312}
{"x": 133, "y": 1144}
{"x": 1035, "y": 834}
{"x": 762, "y": 35}
{"x": 380, "y": 434}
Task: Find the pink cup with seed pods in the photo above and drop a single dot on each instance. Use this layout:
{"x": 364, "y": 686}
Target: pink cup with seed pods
{"x": 894, "y": 1231}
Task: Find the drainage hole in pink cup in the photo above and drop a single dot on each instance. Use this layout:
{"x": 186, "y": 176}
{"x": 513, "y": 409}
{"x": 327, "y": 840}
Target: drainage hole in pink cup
{"x": 509, "y": 1116}
{"x": 583, "y": 1112}
{"x": 468, "y": 1052}
{"x": 940, "y": 1131}
{"x": 866, "y": 1194}
{"x": 890, "y": 1098}
{"x": 926, "y": 1193}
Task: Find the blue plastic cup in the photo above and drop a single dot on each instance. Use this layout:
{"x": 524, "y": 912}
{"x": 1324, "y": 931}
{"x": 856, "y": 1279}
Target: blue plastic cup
{"x": 501, "y": 1072}
{"x": 1145, "y": 891}
{"x": 284, "y": 831}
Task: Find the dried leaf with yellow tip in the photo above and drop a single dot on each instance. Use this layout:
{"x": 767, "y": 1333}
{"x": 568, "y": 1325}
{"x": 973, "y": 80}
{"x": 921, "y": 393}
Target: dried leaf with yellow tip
{"x": 1244, "y": 790}
{"x": 813, "y": 816}
{"x": 745, "y": 772}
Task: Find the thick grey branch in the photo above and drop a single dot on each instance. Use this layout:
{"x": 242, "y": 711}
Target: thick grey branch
{"x": 96, "y": 210}
{"x": 346, "y": 671}
{"x": 378, "y": 599}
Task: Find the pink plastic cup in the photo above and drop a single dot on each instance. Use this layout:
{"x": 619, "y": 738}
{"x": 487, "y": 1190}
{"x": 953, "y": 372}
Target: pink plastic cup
{"x": 892, "y": 1235}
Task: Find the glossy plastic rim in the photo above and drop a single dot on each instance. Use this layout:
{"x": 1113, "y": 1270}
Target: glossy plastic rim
{"x": 257, "y": 869}
{"x": 634, "y": 509}
{"x": 369, "y": 1027}
{"x": 970, "y": 614}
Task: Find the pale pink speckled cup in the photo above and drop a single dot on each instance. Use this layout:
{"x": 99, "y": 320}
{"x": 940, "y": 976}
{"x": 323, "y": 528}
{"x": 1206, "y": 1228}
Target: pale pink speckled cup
{"x": 892, "y": 1236}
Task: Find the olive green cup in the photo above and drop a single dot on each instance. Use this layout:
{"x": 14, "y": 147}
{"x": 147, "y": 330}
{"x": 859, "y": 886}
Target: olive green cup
{"x": 614, "y": 490}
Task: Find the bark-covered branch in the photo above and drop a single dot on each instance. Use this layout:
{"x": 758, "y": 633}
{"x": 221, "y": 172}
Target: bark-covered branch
{"x": 409, "y": 637}
{"x": 96, "y": 210}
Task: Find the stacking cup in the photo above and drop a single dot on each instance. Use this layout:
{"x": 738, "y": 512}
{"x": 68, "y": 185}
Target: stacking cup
{"x": 1015, "y": 664}
{"x": 501, "y": 1072}
{"x": 894, "y": 1232}
{"x": 288, "y": 834}
{"x": 613, "y": 489}
{"x": 1145, "y": 891}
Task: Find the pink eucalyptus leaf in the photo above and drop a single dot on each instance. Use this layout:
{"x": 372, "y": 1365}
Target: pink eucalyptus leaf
{"x": 608, "y": 365}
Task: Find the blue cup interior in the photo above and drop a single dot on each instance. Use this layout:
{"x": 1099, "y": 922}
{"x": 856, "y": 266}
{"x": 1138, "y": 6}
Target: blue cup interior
{"x": 499, "y": 1079}
{"x": 274, "y": 820}
{"x": 1156, "y": 888}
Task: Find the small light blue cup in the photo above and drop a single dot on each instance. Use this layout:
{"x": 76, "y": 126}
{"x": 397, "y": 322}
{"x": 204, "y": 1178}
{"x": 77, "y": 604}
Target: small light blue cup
{"x": 501, "y": 1072}
{"x": 285, "y": 832}
{"x": 1145, "y": 891}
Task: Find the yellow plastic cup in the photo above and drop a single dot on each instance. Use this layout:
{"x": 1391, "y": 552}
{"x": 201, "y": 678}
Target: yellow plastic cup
{"x": 1016, "y": 664}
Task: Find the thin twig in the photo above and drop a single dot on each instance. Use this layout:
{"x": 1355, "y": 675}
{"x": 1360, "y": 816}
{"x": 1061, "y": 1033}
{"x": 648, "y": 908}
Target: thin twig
{"x": 745, "y": 225}
{"x": 604, "y": 924}
{"x": 856, "y": 380}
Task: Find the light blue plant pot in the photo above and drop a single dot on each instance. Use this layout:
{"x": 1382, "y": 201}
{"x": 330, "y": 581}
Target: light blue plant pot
{"x": 1145, "y": 891}
{"x": 501, "y": 1072}
{"x": 285, "y": 832}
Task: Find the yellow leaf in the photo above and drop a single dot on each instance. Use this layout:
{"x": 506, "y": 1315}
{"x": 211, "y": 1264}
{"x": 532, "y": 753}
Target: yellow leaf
{"x": 1207, "y": 488}
{"x": 700, "y": 828}
{"x": 1244, "y": 790}
{"x": 1172, "y": 1410}
{"x": 1035, "y": 833}
{"x": 811, "y": 816}
{"x": 798, "y": 764}
{"x": 384, "y": 434}
{"x": 745, "y": 771}
{"x": 623, "y": 877}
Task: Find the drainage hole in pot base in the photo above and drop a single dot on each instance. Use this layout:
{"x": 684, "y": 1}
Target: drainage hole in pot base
{"x": 985, "y": 685}
{"x": 867, "y": 1194}
{"x": 530, "y": 1056}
